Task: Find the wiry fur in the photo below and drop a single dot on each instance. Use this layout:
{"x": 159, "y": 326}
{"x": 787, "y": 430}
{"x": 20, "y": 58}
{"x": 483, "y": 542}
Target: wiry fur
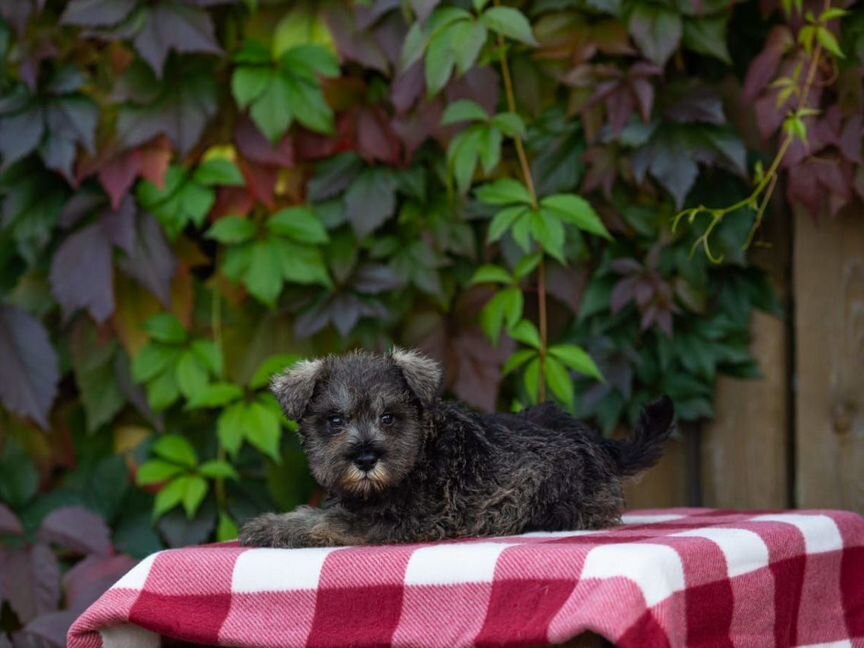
{"x": 443, "y": 471}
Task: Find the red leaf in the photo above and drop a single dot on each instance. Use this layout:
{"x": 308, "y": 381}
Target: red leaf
{"x": 89, "y": 579}
{"x": 9, "y": 522}
{"x": 32, "y": 581}
{"x": 232, "y": 200}
{"x": 375, "y": 138}
{"x": 118, "y": 174}
{"x": 254, "y": 146}
{"x": 260, "y": 181}
{"x": 763, "y": 69}
{"x": 78, "y": 529}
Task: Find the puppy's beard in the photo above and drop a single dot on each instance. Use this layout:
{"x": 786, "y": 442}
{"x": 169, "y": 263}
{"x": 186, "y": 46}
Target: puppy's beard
{"x": 365, "y": 484}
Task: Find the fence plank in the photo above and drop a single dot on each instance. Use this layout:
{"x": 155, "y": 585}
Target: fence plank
{"x": 744, "y": 449}
{"x": 665, "y": 484}
{"x": 829, "y": 325}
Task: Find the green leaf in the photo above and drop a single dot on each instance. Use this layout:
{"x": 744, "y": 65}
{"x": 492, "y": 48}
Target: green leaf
{"x": 547, "y": 230}
{"x": 263, "y": 277}
{"x": 463, "y": 110}
{"x": 510, "y": 124}
{"x": 162, "y": 392}
{"x": 230, "y": 426}
{"x": 156, "y": 472}
{"x": 829, "y": 41}
{"x": 176, "y": 448}
{"x": 216, "y": 469}
{"x": 505, "y": 191}
{"x": 526, "y": 265}
{"x": 219, "y": 173}
{"x": 191, "y": 375}
{"x": 504, "y": 220}
{"x": 262, "y": 430}
{"x": 707, "y": 35}
{"x": 309, "y": 106}
{"x": 209, "y": 355}
{"x": 491, "y": 274}
{"x": 463, "y": 155}
{"x": 467, "y": 39}
{"x": 169, "y": 497}
{"x": 490, "y": 148}
{"x": 152, "y": 360}
{"x": 310, "y": 61}
{"x": 576, "y": 210}
{"x": 531, "y": 379}
{"x": 166, "y": 328}
{"x": 576, "y": 358}
{"x": 193, "y": 494}
{"x": 558, "y": 380}
{"x": 272, "y": 112}
{"x": 509, "y": 22}
{"x": 521, "y": 230}
{"x": 413, "y": 47}
{"x": 298, "y": 223}
{"x": 215, "y": 395}
{"x": 517, "y": 360}
{"x": 270, "y": 367}
{"x": 505, "y": 308}
{"x": 440, "y": 59}
{"x": 303, "y": 264}
{"x": 526, "y": 333}
{"x": 232, "y": 229}
{"x": 253, "y": 52}
{"x": 227, "y": 528}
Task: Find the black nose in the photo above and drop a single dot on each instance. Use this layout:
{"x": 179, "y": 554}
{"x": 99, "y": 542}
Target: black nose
{"x": 365, "y": 460}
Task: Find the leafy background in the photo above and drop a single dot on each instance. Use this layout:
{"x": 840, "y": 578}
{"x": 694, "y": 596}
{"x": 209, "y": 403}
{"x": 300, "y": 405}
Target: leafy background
{"x": 196, "y": 193}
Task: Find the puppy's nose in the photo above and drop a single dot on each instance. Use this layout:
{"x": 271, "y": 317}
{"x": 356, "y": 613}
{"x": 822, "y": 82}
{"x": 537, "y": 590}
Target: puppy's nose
{"x": 365, "y": 460}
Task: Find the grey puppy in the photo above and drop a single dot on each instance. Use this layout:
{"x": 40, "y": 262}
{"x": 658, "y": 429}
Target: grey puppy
{"x": 402, "y": 465}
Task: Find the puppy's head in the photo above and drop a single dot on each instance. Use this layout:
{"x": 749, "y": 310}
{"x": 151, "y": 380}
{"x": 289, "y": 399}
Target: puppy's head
{"x": 361, "y": 416}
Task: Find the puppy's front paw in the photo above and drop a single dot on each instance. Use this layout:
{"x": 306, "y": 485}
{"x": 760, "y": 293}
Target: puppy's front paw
{"x": 261, "y": 531}
{"x": 279, "y": 530}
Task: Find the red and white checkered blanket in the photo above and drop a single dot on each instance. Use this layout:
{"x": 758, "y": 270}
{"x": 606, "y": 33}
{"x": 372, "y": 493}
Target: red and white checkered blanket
{"x": 676, "y": 577}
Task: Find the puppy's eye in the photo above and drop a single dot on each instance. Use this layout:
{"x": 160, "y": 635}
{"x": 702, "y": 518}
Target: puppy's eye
{"x": 387, "y": 419}
{"x": 335, "y": 420}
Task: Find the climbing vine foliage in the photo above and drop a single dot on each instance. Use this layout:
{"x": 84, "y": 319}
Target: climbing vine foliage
{"x": 195, "y": 194}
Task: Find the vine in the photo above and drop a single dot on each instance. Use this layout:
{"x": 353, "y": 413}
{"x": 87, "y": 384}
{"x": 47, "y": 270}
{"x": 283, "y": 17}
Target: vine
{"x": 794, "y": 127}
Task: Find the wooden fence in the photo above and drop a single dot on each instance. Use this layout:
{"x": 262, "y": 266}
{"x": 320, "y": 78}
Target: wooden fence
{"x": 796, "y": 437}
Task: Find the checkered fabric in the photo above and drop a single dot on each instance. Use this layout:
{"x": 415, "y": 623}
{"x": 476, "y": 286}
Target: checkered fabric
{"x": 676, "y": 577}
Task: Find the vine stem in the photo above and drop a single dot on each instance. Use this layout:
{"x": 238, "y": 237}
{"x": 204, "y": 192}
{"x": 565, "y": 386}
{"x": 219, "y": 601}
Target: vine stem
{"x": 216, "y": 326}
{"x": 529, "y": 183}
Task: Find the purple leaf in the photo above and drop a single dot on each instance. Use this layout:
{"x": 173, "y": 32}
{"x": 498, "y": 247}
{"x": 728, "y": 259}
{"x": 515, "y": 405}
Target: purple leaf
{"x": 376, "y": 279}
{"x": 371, "y": 200}
{"x": 32, "y": 580}
{"x": 82, "y": 204}
{"x": 9, "y": 522}
{"x": 96, "y": 13}
{"x": 81, "y": 273}
{"x": 408, "y": 87}
{"x": 29, "y": 372}
{"x": 622, "y": 294}
{"x": 58, "y": 153}
{"x": 354, "y": 43}
{"x": 376, "y": 140}
{"x": 693, "y": 104}
{"x": 51, "y": 627}
{"x": 763, "y": 68}
{"x": 180, "y": 109}
{"x": 258, "y": 148}
{"x": 626, "y": 266}
{"x": 151, "y": 261}
{"x": 480, "y": 85}
{"x": 172, "y": 25}
{"x": 91, "y": 577}
{"x": 74, "y": 118}
{"x": 656, "y": 30}
{"x": 119, "y": 226}
{"x": 78, "y": 529}
{"x": 20, "y": 134}
{"x": 423, "y": 8}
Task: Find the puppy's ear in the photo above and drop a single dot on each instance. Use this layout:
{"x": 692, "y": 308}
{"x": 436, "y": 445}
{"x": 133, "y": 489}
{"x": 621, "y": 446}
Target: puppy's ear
{"x": 422, "y": 374}
{"x": 294, "y": 388}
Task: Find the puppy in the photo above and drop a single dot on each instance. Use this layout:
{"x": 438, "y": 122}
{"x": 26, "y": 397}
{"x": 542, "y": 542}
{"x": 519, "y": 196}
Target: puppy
{"x": 402, "y": 465}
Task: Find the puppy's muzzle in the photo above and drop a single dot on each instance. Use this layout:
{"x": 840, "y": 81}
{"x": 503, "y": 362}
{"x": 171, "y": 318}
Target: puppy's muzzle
{"x": 365, "y": 458}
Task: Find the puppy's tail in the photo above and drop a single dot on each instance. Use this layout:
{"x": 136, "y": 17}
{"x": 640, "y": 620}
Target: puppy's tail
{"x": 643, "y": 450}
